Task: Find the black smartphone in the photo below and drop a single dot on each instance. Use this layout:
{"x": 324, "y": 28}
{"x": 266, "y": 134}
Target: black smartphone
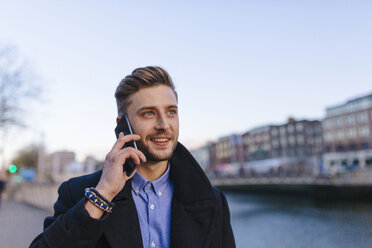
{"x": 124, "y": 126}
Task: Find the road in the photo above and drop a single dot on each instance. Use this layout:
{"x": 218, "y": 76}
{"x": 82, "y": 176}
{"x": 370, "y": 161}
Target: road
{"x": 19, "y": 224}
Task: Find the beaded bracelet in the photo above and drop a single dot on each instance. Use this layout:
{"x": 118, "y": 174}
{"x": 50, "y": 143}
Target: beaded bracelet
{"x": 111, "y": 204}
{"x": 97, "y": 202}
{"x": 98, "y": 199}
{"x": 98, "y": 195}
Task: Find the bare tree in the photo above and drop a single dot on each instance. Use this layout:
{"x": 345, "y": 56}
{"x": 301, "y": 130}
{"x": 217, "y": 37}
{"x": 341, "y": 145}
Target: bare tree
{"x": 17, "y": 86}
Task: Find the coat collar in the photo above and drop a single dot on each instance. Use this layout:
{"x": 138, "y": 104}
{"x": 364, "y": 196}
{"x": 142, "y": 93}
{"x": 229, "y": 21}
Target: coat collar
{"x": 190, "y": 182}
{"x": 194, "y": 204}
{"x": 194, "y": 208}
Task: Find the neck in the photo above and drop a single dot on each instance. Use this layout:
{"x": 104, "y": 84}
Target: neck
{"x": 152, "y": 170}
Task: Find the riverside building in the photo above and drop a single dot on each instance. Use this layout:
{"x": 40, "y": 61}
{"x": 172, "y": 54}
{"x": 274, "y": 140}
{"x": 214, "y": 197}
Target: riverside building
{"x": 347, "y": 132}
{"x": 293, "y": 147}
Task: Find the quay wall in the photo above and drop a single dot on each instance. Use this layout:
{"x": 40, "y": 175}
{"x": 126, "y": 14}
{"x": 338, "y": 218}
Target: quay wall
{"x": 38, "y": 195}
{"x": 322, "y": 188}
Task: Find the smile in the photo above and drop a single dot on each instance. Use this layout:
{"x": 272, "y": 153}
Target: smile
{"x": 161, "y": 141}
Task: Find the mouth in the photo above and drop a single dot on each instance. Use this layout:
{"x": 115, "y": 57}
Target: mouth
{"x": 160, "y": 141}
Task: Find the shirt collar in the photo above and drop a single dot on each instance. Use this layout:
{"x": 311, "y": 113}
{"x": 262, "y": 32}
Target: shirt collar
{"x": 139, "y": 182}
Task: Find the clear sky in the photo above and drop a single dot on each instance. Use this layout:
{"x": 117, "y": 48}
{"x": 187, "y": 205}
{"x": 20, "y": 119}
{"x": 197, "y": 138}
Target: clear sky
{"x": 236, "y": 64}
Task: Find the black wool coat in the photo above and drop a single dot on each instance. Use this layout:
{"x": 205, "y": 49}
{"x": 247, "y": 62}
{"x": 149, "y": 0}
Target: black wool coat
{"x": 200, "y": 216}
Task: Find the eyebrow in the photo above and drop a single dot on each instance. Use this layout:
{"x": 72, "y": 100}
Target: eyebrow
{"x": 154, "y": 108}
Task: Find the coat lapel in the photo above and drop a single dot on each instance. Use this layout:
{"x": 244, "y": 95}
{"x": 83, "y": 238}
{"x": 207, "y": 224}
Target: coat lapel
{"x": 194, "y": 205}
{"x": 122, "y": 228}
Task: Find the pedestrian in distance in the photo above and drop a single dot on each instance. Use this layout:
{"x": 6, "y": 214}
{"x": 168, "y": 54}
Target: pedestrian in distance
{"x": 167, "y": 201}
{"x": 2, "y": 188}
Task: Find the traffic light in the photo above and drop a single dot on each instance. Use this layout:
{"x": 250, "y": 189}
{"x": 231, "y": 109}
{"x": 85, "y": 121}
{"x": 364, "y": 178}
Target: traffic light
{"x": 12, "y": 168}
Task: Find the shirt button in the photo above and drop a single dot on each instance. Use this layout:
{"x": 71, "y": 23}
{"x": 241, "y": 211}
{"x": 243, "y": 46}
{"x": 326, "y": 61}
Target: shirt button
{"x": 153, "y": 244}
{"x": 148, "y": 186}
{"x": 159, "y": 193}
{"x": 152, "y": 206}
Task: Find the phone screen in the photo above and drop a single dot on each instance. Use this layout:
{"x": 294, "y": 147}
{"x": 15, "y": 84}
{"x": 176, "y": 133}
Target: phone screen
{"x": 124, "y": 126}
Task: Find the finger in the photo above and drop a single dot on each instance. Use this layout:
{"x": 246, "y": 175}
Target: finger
{"x": 134, "y": 156}
{"x": 141, "y": 155}
{"x": 123, "y": 154}
{"x": 118, "y": 158}
{"x": 122, "y": 140}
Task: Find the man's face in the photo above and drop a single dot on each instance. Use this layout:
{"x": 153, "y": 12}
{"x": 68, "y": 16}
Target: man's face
{"x": 153, "y": 115}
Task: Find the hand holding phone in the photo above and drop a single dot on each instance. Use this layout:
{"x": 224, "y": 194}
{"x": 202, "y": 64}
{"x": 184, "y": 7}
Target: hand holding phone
{"x": 124, "y": 126}
{"x": 113, "y": 180}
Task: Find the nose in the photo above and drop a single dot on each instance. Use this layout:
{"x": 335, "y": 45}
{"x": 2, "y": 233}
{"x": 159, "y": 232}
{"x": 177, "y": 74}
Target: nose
{"x": 162, "y": 122}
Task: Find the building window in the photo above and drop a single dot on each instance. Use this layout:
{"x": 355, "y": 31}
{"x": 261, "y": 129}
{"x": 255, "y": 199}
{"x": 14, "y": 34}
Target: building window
{"x": 282, "y": 131}
{"x": 352, "y": 147}
{"x": 340, "y": 148}
{"x": 274, "y": 132}
{"x": 339, "y": 122}
{"x": 318, "y": 129}
{"x": 344, "y": 162}
{"x": 300, "y": 151}
{"x": 266, "y": 147}
{"x": 355, "y": 162}
{"x": 300, "y": 139}
{"x": 365, "y": 145}
{"x": 369, "y": 161}
{"x": 252, "y": 149}
{"x": 283, "y": 142}
{"x": 299, "y": 127}
{"x": 340, "y": 135}
{"x": 328, "y": 136}
{"x": 327, "y": 124}
{"x": 290, "y": 128}
{"x": 328, "y": 149}
{"x": 350, "y": 120}
{"x": 275, "y": 143}
{"x": 351, "y": 133}
{"x": 362, "y": 117}
{"x": 291, "y": 140}
{"x": 363, "y": 131}
{"x": 309, "y": 131}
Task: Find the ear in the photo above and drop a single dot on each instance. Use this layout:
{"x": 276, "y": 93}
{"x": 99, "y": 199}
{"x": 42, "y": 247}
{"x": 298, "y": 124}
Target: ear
{"x": 117, "y": 120}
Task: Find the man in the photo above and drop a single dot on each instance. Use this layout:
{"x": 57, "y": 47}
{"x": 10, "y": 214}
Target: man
{"x": 2, "y": 187}
{"x": 168, "y": 202}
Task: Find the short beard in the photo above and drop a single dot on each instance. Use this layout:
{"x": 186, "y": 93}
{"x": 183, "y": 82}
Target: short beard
{"x": 152, "y": 157}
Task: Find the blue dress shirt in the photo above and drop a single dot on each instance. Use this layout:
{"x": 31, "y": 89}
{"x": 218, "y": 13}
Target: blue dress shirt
{"x": 153, "y": 203}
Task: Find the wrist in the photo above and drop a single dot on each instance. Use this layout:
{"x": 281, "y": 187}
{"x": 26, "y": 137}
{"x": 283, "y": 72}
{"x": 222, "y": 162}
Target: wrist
{"x": 93, "y": 210}
{"x": 108, "y": 194}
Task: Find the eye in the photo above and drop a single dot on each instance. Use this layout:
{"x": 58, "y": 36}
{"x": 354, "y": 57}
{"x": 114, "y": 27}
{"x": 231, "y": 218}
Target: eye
{"x": 172, "y": 112}
{"x": 148, "y": 113}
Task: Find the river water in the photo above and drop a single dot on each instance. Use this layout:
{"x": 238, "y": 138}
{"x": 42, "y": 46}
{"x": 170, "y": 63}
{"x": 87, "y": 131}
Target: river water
{"x": 263, "y": 221}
